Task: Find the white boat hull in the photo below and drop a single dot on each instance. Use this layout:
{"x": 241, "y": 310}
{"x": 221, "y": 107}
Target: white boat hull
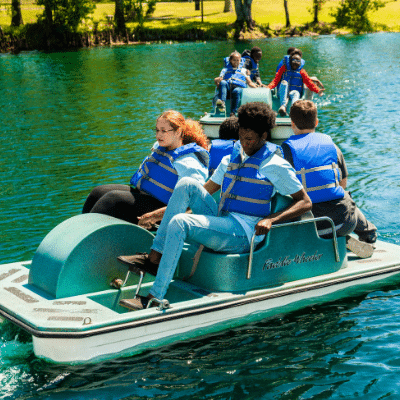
{"x": 223, "y": 311}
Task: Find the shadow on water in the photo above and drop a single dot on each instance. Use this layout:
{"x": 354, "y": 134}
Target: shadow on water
{"x": 313, "y": 353}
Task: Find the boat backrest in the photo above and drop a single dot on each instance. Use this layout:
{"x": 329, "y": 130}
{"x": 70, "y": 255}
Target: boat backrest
{"x": 79, "y": 255}
{"x": 256, "y": 94}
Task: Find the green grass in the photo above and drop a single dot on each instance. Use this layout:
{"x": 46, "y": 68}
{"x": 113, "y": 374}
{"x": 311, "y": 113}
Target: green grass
{"x": 264, "y": 12}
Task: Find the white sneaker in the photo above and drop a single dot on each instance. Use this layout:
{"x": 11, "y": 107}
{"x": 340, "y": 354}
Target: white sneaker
{"x": 360, "y": 249}
{"x": 220, "y": 105}
{"x": 282, "y": 111}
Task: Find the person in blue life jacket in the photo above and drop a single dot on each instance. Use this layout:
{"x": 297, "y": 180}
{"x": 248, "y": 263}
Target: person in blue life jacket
{"x": 251, "y": 59}
{"x": 181, "y": 151}
{"x": 291, "y": 78}
{"x": 233, "y": 79}
{"x": 293, "y": 51}
{"x": 243, "y": 209}
{"x": 321, "y": 167}
{"x": 223, "y": 146}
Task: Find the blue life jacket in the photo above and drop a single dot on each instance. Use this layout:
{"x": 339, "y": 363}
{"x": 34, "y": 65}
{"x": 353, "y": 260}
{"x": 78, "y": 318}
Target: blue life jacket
{"x": 244, "y": 189}
{"x": 157, "y": 176}
{"x": 285, "y": 60}
{"x": 219, "y": 149}
{"x": 234, "y": 75}
{"x": 293, "y": 77}
{"x": 254, "y": 65}
{"x": 316, "y": 163}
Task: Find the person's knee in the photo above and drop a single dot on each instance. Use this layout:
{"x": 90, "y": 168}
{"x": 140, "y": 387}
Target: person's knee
{"x": 284, "y": 83}
{"x": 348, "y": 227}
{"x": 108, "y": 201}
{"x": 99, "y": 191}
{"x": 179, "y": 223}
{"x": 185, "y": 183}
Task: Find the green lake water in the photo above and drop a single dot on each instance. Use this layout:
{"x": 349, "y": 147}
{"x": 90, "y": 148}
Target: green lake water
{"x": 74, "y": 120}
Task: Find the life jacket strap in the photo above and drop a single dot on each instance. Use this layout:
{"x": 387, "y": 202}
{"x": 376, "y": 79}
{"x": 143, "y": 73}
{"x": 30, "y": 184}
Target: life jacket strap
{"x": 304, "y": 171}
{"x": 247, "y": 199}
{"x": 244, "y": 179}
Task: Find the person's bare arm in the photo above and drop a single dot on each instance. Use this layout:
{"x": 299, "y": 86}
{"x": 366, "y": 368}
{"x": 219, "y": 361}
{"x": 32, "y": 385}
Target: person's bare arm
{"x": 211, "y": 186}
{"x": 301, "y": 204}
{"x": 343, "y": 183}
{"x": 148, "y": 220}
{"x": 250, "y": 83}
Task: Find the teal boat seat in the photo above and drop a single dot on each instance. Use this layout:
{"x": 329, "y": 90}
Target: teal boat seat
{"x": 256, "y": 94}
{"x": 79, "y": 255}
{"x": 291, "y": 251}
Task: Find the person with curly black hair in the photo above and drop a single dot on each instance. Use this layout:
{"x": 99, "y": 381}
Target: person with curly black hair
{"x": 248, "y": 179}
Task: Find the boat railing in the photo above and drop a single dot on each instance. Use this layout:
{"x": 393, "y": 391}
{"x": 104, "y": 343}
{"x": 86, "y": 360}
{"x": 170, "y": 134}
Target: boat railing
{"x": 313, "y": 220}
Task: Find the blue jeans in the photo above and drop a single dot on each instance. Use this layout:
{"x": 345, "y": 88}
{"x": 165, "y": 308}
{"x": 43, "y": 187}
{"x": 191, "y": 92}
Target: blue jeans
{"x": 223, "y": 234}
{"x": 236, "y": 94}
{"x": 285, "y": 95}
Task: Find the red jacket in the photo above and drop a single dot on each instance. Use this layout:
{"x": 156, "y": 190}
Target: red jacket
{"x": 306, "y": 79}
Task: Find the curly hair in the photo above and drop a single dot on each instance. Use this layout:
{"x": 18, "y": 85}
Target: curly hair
{"x": 229, "y": 129}
{"x": 191, "y": 130}
{"x": 257, "y": 116}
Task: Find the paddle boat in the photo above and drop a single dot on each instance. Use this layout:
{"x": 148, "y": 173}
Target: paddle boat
{"x": 63, "y": 297}
{"x": 211, "y": 121}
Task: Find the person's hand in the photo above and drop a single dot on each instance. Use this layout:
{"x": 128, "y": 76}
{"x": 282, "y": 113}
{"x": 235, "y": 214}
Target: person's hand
{"x": 147, "y": 221}
{"x": 317, "y": 82}
{"x": 218, "y": 80}
{"x": 263, "y": 226}
{"x": 321, "y": 92}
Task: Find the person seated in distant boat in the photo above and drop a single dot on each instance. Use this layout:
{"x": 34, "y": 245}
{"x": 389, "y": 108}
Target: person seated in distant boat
{"x": 181, "y": 151}
{"x": 219, "y": 148}
{"x": 232, "y": 80}
{"x": 320, "y": 166}
{"x": 291, "y": 77}
{"x": 293, "y": 51}
{"x": 244, "y": 206}
{"x": 251, "y": 59}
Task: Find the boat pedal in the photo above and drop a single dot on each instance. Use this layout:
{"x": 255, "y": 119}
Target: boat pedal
{"x": 119, "y": 284}
{"x": 162, "y": 304}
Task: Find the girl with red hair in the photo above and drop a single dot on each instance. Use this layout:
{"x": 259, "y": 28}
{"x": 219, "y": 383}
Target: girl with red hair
{"x": 180, "y": 151}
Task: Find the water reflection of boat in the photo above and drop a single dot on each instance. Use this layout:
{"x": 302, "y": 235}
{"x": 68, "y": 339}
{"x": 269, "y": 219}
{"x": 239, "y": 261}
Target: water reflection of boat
{"x": 63, "y": 297}
{"x": 211, "y": 121}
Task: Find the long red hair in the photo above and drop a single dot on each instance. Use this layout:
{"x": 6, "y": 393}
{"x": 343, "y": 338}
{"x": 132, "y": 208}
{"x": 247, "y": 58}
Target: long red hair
{"x": 191, "y": 130}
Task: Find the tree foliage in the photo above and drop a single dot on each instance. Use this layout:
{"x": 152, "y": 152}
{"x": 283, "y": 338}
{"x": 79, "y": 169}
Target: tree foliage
{"x": 353, "y": 14}
{"x": 135, "y": 11}
{"x": 66, "y": 13}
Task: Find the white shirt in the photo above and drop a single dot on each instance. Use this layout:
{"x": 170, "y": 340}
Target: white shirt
{"x": 277, "y": 170}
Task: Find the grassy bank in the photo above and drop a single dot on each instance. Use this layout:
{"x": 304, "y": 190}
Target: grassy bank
{"x": 265, "y": 12}
{"x": 180, "y": 21}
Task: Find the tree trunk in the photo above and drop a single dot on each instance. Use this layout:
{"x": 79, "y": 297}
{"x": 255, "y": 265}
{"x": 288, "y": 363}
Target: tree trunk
{"x": 16, "y": 19}
{"x": 228, "y": 6}
{"x": 119, "y": 17}
{"x": 316, "y": 10}
{"x": 243, "y": 14}
{"x": 286, "y": 13}
{"x": 48, "y": 14}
